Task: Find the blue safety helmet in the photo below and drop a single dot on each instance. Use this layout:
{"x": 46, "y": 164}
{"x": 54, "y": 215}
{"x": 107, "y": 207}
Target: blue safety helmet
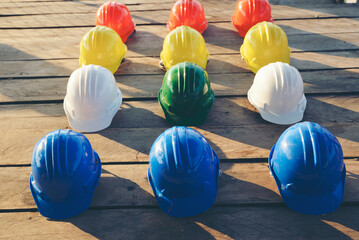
{"x": 65, "y": 172}
{"x": 183, "y": 172}
{"x": 307, "y": 165}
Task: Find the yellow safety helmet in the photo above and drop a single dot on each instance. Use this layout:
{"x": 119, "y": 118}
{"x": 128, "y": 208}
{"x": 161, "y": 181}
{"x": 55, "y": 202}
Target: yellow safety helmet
{"x": 265, "y": 43}
{"x": 184, "y": 44}
{"x": 102, "y": 46}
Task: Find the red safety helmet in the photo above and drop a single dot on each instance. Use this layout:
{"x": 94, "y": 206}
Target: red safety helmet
{"x": 116, "y": 16}
{"x": 250, "y": 12}
{"x": 189, "y": 13}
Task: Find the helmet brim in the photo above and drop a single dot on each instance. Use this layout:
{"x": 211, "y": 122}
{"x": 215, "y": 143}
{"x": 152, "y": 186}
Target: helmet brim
{"x": 190, "y": 206}
{"x": 95, "y": 125}
{"x": 283, "y": 118}
{"x": 195, "y": 119}
{"x": 131, "y": 29}
{"x": 315, "y": 204}
{"x": 201, "y": 28}
{"x": 112, "y": 67}
{"x": 57, "y": 210}
{"x": 254, "y": 64}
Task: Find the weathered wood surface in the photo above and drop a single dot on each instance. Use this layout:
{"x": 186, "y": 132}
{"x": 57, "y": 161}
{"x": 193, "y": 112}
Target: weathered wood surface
{"x": 226, "y": 63}
{"x": 233, "y": 128}
{"x": 127, "y": 186}
{"x": 133, "y": 144}
{"x": 217, "y": 223}
{"x": 75, "y": 14}
{"x": 226, "y": 112}
{"x": 155, "y": 12}
{"x": 127, "y": 2}
{"x": 140, "y": 86}
{"x": 36, "y": 61}
{"x": 220, "y": 38}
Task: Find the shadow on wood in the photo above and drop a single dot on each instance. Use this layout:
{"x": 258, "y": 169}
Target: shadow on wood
{"x": 320, "y": 42}
{"x": 149, "y": 222}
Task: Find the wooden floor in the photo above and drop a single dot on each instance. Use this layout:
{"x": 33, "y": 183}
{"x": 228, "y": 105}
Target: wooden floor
{"x": 39, "y": 49}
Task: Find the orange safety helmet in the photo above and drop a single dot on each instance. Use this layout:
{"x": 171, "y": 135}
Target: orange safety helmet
{"x": 250, "y": 12}
{"x": 189, "y": 13}
{"x": 116, "y": 16}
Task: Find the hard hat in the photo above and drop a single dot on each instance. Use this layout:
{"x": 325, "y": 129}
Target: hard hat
{"x": 116, "y": 16}
{"x": 265, "y": 43}
{"x": 102, "y": 46}
{"x": 186, "y": 96}
{"x": 65, "y": 171}
{"x": 92, "y": 98}
{"x": 183, "y": 172}
{"x": 307, "y": 165}
{"x": 250, "y": 12}
{"x": 189, "y": 13}
{"x": 184, "y": 44}
{"x": 278, "y": 94}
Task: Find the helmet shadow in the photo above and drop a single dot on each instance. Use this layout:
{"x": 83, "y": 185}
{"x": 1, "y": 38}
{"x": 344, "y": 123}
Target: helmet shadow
{"x": 325, "y": 43}
{"x": 15, "y": 74}
{"x": 323, "y": 9}
{"x": 214, "y": 36}
{"x": 136, "y": 42}
{"x": 127, "y": 209}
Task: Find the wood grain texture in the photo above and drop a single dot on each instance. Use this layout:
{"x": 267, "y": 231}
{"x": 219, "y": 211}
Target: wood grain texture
{"x": 127, "y": 186}
{"x": 159, "y": 13}
{"x": 72, "y": 14}
{"x": 140, "y": 86}
{"x": 216, "y": 223}
{"x": 227, "y": 63}
{"x": 233, "y": 127}
{"x": 133, "y": 144}
{"x": 220, "y": 38}
{"x": 36, "y": 63}
{"x": 39, "y": 5}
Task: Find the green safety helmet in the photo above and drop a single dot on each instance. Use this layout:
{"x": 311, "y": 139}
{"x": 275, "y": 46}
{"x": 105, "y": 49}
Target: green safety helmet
{"x": 186, "y": 96}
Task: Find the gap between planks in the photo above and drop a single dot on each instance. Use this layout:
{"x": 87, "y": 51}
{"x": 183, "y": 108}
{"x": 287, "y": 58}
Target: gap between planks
{"x": 216, "y": 223}
{"x": 157, "y": 13}
{"x": 277, "y": 21}
{"x": 225, "y": 63}
{"x": 136, "y": 99}
{"x": 231, "y": 128}
{"x": 123, "y": 186}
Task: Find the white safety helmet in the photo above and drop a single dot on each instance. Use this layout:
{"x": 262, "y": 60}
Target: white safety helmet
{"x": 92, "y": 98}
{"x": 278, "y": 93}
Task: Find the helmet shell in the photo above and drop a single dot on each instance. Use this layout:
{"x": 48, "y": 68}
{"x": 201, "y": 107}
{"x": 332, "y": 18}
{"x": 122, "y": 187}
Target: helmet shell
{"x": 189, "y": 13}
{"x": 278, "y": 93}
{"x": 65, "y": 171}
{"x": 183, "y": 172}
{"x": 263, "y": 44}
{"x": 250, "y": 12}
{"x": 184, "y": 44}
{"x": 92, "y": 98}
{"x": 307, "y": 165}
{"x": 186, "y": 96}
{"x": 102, "y": 46}
{"x": 116, "y": 16}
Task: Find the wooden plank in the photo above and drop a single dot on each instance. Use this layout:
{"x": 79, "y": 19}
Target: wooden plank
{"x": 216, "y": 223}
{"x": 213, "y": 13}
{"x": 127, "y": 185}
{"x": 226, "y": 63}
{"x": 221, "y": 38}
{"x": 139, "y": 86}
{"x": 60, "y": 15}
{"x": 68, "y": 7}
{"x": 137, "y": 114}
{"x": 233, "y": 128}
{"x": 133, "y": 144}
{"x": 127, "y": 2}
